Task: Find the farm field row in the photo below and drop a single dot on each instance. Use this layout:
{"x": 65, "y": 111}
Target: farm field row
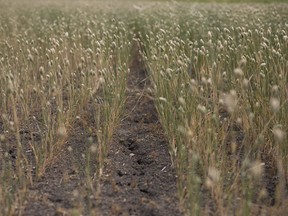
{"x": 216, "y": 74}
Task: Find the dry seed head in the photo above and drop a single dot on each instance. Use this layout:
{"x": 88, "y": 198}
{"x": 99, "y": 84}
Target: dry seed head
{"x": 41, "y": 70}
{"x": 262, "y": 74}
{"x": 213, "y": 177}
{"x": 263, "y": 193}
{"x": 209, "y": 183}
{"x": 30, "y": 57}
{"x": 180, "y": 62}
{"x": 93, "y": 148}
{"x": 238, "y": 72}
{"x": 166, "y": 57}
{"x": 256, "y": 169}
{"x": 62, "y": 132}
{"x": 101, "y": 80}
{"x": 239, "y": 121}
{"x": 90, "y": 51}
{"x": 230, "y": 101}
{"x": 243, "y": 61}
{"x": 209, "y": 34}
{"x": 202, "y": 108}
{"x": 214, "y": 174}
{"x": 245, "y": 83}
{"x": 210, "y": 43}
{"x": 6, "y": 154}
{"x": 2, "y": 138}
{"x": 275, "y": 90}
{"x": 279, "y": 134}
{"x": 263, "y": 64}
{"x": 275, "y": 104}
{"x": 11, "y": 123}
{"x": 163, "y": 99}
{"x": 234, "y": 147}
{"x": 70, "y": 149}
{"x": 182, "y": 101}
{"x": 204, "y": 80}
{"x": 90, "y": 140}
{"x": 10, "y": 86}
{"x": 209, "y": 81}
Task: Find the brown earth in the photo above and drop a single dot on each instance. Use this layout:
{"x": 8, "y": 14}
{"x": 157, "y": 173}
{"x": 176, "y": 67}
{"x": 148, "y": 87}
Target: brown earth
{"x": 138, "y": 177}
{"x": 139, "y": 168}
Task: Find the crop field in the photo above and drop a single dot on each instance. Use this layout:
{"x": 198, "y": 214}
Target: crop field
{"x": 143, "y": 108}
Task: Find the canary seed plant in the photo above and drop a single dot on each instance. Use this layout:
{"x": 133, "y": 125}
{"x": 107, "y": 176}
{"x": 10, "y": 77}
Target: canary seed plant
{"x": 219, "y": 76}
{"x": 53, "y": 63}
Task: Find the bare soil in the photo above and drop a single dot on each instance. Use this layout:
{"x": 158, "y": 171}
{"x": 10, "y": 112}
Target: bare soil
{"x": 139, "y": 178}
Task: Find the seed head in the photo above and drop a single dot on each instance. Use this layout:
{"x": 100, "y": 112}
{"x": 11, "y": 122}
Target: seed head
{"x": 275, "y": 104}
{"x": 2, "y": 138}
{"x": 10, "y": 86}
{"x": 209, "y": 34}
{"x": 243, "y": 61}
{"x": 275, "y": 90}
{"x": 256, "y": 169}
{"x": 101, "y": 80}
{"x": 213, "y": 177}
{"x": 93, "y": 148}
{"x": 245, "y": 83}
{"x": 41, "y": 70}
{"x": 163, "y": 99}
{"x": 30, "y": 58}
{"x": 279, "y": 134}
{"x": 70, "y": 149}
{"x": 230, "y": 101}
{"x": 202, "y": 108}
{"x": 238, "y": 72}
{"x": 62, "y": 132}
{"x": 182, "y": 101}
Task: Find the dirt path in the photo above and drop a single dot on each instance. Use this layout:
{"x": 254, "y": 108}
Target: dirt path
{"x": 138, "y": 178}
